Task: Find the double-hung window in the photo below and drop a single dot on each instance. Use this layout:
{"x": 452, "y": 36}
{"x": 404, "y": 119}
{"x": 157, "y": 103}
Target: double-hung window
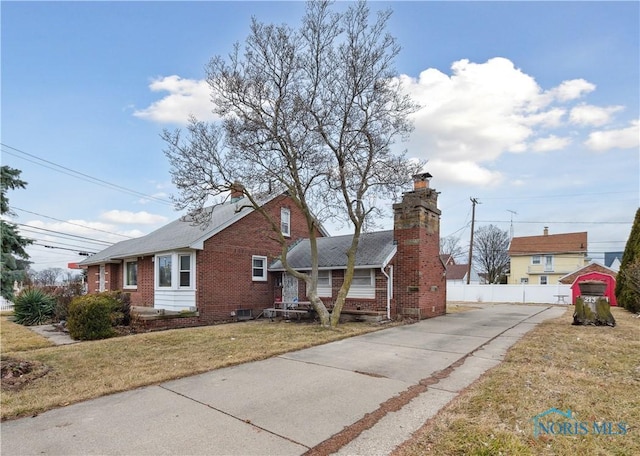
{"x": 362, "y": 278}
{"x": 185, "y": 270}
{"x": 174, "y": 271}
{"x": 259, "y": 268}
{"x": 285, "y": 221}
{"x": 324, "y": 283}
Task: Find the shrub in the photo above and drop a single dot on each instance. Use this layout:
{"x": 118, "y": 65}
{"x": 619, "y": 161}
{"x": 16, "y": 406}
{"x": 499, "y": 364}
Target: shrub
{"x": 121, "y": 313}
{"x": 90, "y": 317}
{"x": 627, "y": 294}
{"x": 64, "y": 295}
{"x": 33, "y": 307}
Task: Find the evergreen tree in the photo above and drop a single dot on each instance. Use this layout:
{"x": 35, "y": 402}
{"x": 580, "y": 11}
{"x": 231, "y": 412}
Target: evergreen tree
{"x": 13, "y": 262}
{"x": 627, "y": 293}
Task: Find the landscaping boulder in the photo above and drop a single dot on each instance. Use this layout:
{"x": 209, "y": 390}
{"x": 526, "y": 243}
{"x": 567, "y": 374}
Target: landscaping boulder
{"x": 592, "y": 307}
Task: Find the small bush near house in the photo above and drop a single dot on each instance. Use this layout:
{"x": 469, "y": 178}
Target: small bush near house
{"x": 121, "y": 315}
{"x": 90, "y": 317}
{"x": 34, "y": 307}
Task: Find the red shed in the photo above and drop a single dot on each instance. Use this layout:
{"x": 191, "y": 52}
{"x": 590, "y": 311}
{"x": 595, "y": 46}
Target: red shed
{"x": 592, "y": 271}
{"x": 609, "y": 279}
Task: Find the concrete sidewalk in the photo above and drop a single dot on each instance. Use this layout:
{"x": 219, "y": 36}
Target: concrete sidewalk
{"x": 290, "y": 403}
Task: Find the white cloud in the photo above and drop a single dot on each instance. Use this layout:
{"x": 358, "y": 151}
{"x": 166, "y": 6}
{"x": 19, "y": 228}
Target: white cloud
{"x": 572, "y": 89}
{"x": 466, "y": 172}
{"x": 187, "y": 97}
{"x": 590, "y": 115}
{"x": 550, "y": 143}
{"x": 128, "y": 217}
{"x": 624, "y": 138}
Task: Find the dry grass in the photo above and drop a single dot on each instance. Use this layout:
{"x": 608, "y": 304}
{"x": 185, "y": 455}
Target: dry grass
{"x": 593, "y": 371}
{"x": 15, "y": 338}
{"x": 90, "y": 369}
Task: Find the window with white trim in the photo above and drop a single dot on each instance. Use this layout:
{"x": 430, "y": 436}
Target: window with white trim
{"x": 164, "y": 270}
{"x": 285, "y": 221}
{"x": 324, "y": 284}
{"x": 524, "y": 280}
{"x": 259, "y": 268}
{"x": 535, "y": 259}
{"x": 184, "y": 271}
{"x": 130, "y": 274}
{"x": 362, "y": 278}
{"x": 543, "y": 280}
{"x": 324, "y": 279}
{"x": 175, "y": 271}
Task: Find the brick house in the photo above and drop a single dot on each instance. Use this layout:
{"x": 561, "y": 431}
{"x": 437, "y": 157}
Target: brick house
{"x": 210, "y": 275}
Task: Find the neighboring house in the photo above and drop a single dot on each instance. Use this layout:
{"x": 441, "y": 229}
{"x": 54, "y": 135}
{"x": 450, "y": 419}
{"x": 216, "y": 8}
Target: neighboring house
{"x": 232, "y": 264}
{"x": 544, "y": 260}
{"x": 612, "y": 260}
{"x": 593, "y": 271}
{"x": 447, "y": 259}
{"x": 457, "y": 274}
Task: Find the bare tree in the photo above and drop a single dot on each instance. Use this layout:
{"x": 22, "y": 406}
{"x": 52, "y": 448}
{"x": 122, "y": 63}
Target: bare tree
{"x": 312, "y": 111}
{"x": 491, "y": 255}
{"x": 48, "y": 277}
{"x": 450, "y": 245}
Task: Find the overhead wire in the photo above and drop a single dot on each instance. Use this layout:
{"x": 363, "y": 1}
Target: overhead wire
{"x": 79, "y": 175}
{"x": 70, "y": 223}
{"x": 59, "y": 233}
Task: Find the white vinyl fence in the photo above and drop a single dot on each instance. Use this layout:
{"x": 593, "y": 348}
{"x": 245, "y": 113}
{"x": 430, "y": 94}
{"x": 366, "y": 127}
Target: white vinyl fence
{"x": 536, "y": 294}
{"x": 5, "y": 305}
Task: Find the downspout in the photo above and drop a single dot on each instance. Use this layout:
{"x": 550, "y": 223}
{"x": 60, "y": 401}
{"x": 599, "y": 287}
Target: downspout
{"x": 389, "y": 288}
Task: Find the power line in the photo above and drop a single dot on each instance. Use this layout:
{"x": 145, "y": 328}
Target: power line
{"x": 80, "y": 175}
{"x": 79, "y": 252}
{"x": 570, "y": 222}
{"x": 65, "y": 234}
{"x": 70, "y": 223}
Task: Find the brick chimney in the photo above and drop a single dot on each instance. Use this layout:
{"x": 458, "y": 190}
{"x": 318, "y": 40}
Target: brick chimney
{"x": 546, "y": 231}
{"x": 419, "y": 278}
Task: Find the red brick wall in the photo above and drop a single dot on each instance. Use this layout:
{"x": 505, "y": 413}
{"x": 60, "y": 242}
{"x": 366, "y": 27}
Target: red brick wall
{"x": 224, "y": 282}
{"x": 112, "y": 278}
{"x": 142, "y": 295}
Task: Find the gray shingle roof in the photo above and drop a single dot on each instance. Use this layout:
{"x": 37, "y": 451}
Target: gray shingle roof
{"x": 179, "y": 234}
{"x": 374, "y": 250}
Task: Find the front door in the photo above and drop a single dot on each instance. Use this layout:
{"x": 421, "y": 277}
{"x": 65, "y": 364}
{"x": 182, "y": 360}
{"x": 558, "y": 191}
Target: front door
{"x": 289, "y": 288}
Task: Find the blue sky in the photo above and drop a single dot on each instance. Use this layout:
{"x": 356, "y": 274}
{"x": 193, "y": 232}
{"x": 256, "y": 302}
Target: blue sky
{"x": 530, "y": 107}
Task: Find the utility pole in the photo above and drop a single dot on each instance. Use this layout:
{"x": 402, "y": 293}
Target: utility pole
{"x": 473, "y": 222}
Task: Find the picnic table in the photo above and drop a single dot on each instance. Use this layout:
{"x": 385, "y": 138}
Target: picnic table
{"x": 561, "y": 298}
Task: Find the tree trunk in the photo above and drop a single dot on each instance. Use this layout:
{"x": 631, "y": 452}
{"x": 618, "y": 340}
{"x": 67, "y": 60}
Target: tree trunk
{"x": 593, "y": 310}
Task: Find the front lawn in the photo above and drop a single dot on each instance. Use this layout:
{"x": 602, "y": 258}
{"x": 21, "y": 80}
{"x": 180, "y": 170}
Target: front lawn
{"x": 593, "y": 371}
{"x": 90, "y": 369}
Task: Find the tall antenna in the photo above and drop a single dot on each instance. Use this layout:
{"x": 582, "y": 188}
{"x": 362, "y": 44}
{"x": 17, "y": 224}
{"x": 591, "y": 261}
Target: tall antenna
{"x": 511, "y": 229}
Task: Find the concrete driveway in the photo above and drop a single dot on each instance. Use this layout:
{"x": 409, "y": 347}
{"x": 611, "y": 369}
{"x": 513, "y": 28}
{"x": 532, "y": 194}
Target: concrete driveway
{"x": 289, "y": 404}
